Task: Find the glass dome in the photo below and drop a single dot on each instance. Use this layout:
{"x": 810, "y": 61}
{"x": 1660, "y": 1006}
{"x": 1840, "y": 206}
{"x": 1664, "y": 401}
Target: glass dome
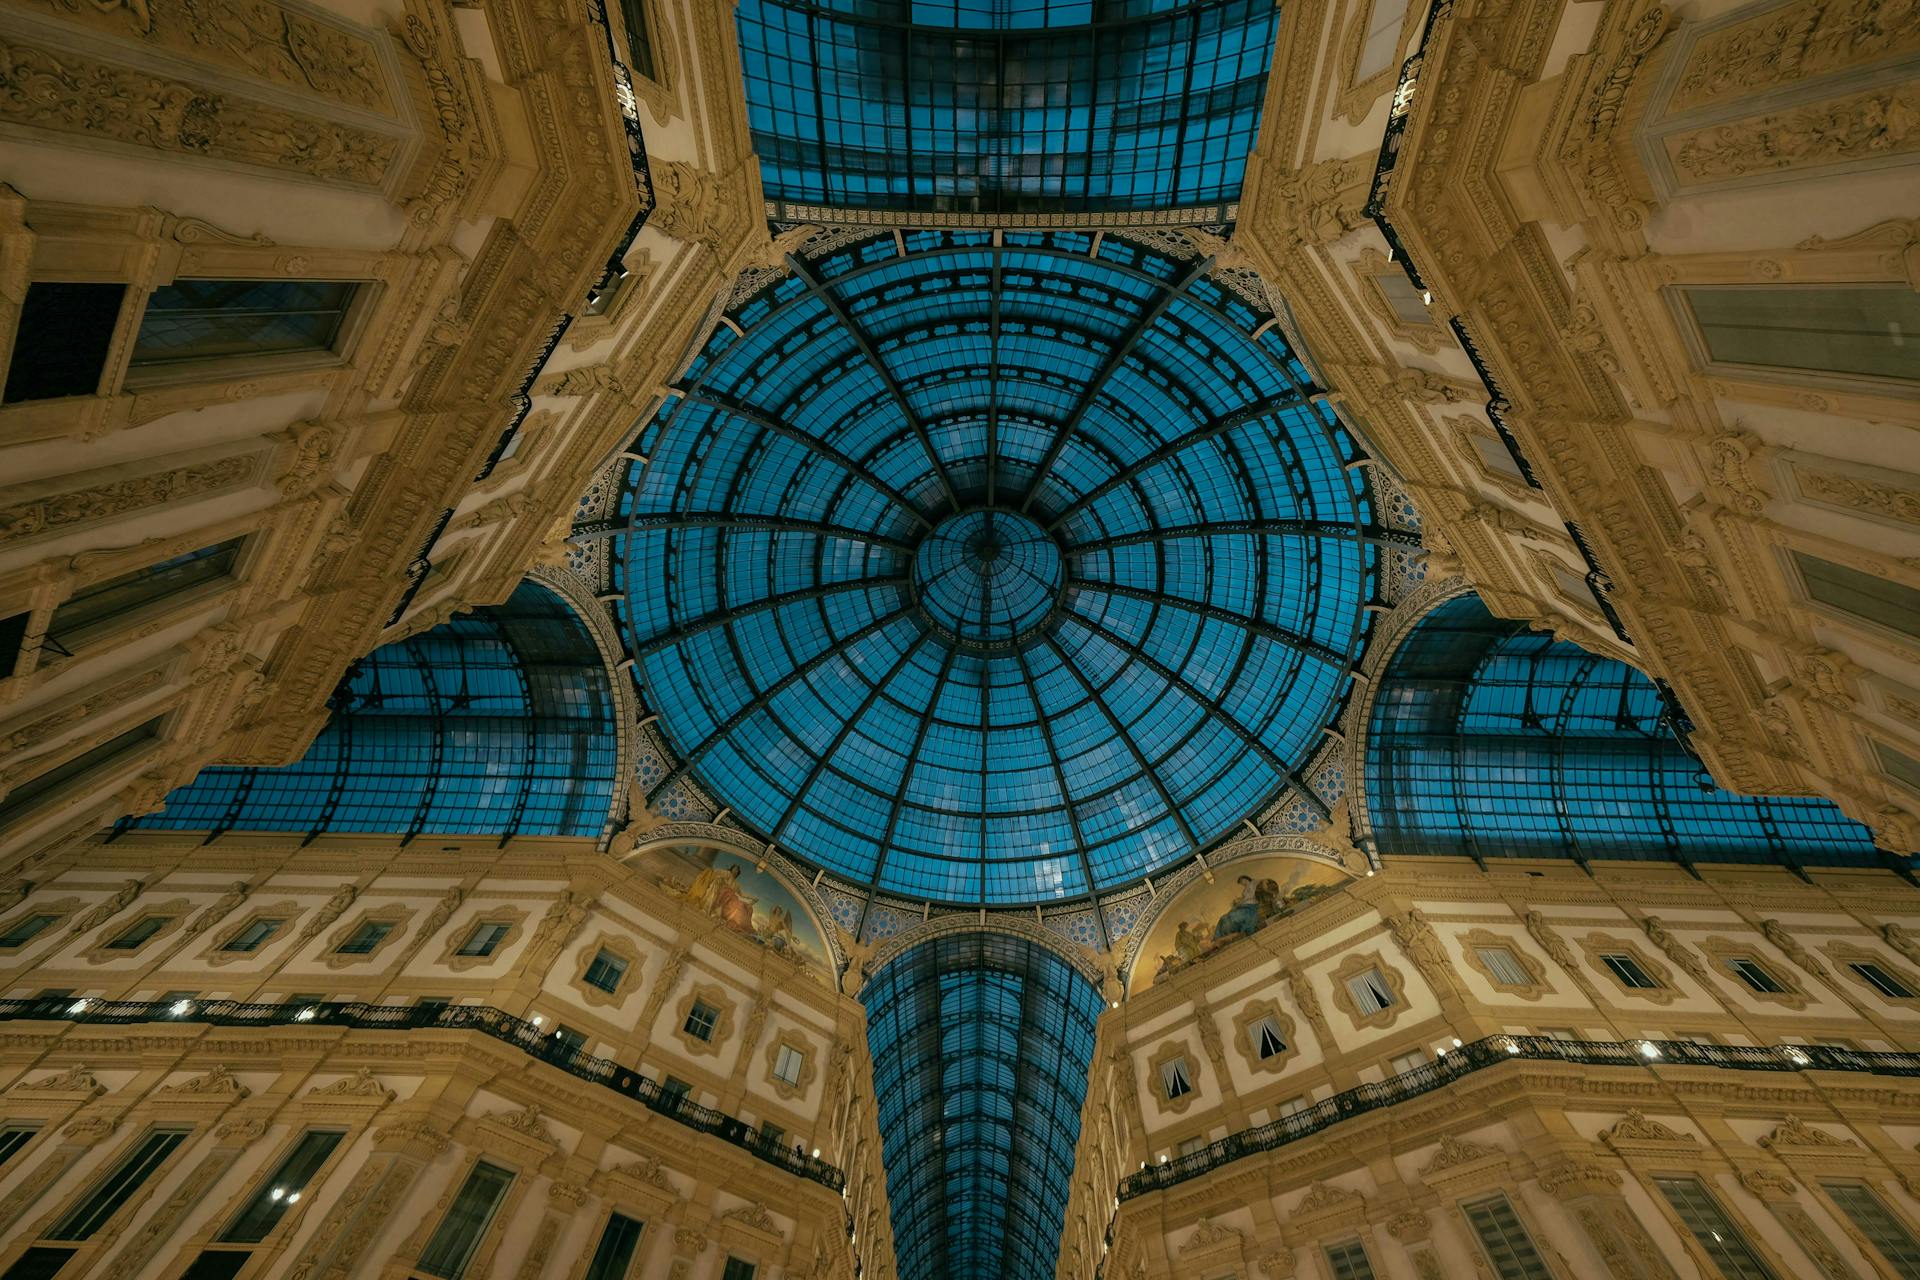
{"x": 994, "y": 571}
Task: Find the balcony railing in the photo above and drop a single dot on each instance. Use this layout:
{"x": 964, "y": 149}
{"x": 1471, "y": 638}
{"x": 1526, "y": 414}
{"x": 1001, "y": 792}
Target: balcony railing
{"x": 1492, "y": 1051}
{"x": 519, "y": 1032}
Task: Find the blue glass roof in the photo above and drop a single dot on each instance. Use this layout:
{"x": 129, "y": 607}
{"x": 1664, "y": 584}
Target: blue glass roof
{"x": 996, "y": 106}
{"x": 994, "y": 574}
{"x": 1490, "y": 740}
{"x": 497, "y": 723}
{"x": 981, "y": 1046}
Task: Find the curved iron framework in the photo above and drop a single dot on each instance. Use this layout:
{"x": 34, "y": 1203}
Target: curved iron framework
{"x": 994, "y": 567}
{"x": 497, "y": 723}
{"x": 981, "y": 1046}
{"x": 1490, "y": 740}
{"x": 1011, "y": 106}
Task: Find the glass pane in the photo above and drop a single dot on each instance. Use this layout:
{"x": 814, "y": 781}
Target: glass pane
{"x": 458, "y": 1234}
{"x": 27, "y": 794}
{"x": 60, "y": 345}
{"x": 1506, "y": 1241}
{"x": 614, "y": 1253}
{"x": 1872, "y": 330}
{"x": 118, "y": 1187}
{"x": 115, "y": 597}
{"x": 1876, "y": 1222}
{"x": 1713, "y": 1229}
{"x": 1879, "y": 601}
{"x": 203, "y": 319}
{"x": 284, "y": 1189}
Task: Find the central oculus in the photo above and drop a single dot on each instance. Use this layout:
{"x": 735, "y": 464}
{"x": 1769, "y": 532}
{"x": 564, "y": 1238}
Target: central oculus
{"x": 988, "y": 576}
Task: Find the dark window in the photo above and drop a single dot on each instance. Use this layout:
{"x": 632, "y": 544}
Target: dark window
{"x": 639, "y": 38}
{"x": 674, "y": 1088}
{"x": 614, "y": 1254}
{"x": 13, "y": 632}
{"x": 484, "y": 938}
{"x": 606, "y": 971}
{"x": 1880, "y": 980}
{"x": 458, "y": 1234}
{"x": 1505, "y": 1239}
{"x": 1755, "y": 975}
{"x": 701, "y": 1020}
{"x": 254, "y": 935}
{"x": 39, "y": 1263}
{"x": 1349, "y": 1261}
{"x": 216, "y": 1265}
{"x": 738, "y": 1269}
{"x": 431, "y": 1004}
{"x": 282, "y": 1191}
{"x": 1724, "y": 1243}
{"x": 1862, "y": 595}
{"x": 1628, "y": 970}
{"x": 1370, "y": 992}
{"x": 569, "y": 1040}
{"x": 61, "y": 346}
{"x": 788, "y": 1064}
{"x": 12, "y": 1138}
{"x": 26, "y": 930}
{"x": 113, "y": 599}
{"x": 1174, "y": 1080}
{"x": 1898, "y": 765}
{"x": 114, "y": 1190}
{"x": 139, "y": 933}
{"x": 205, "y": 319}
{"x": 29, "y": 794}
{"x": 1266, "y": 1038}
{"x": 1876, "y": 1222}
{"x": 369, "y": 934}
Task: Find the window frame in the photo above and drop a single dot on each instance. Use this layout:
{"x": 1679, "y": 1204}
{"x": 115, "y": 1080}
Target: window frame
{"x": 454, "y": 1268}
{"x": 1678, "y": 298}
{"x": 57, "y": 647}
{"x": 354, "y": 322}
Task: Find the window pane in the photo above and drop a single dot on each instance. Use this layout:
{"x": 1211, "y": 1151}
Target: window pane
{"x": 118, "y": 1187}
{"x": 39, "y": 1263}
{"x": 60, "y": 347}
{"x": 615, "y": 1251}
{"x": 25, "y": 930}
{"x": 114, "y": 598}
{"x": 368, "y": 936}
{"x": 738, "y": 1269}
{"x": 1504, "y": 967}
{"x": 1882, "y": 981}
{"x": 30, "y": 793}
{"x": 283, "y": 1190}
{"x": 458, "y": 1235}
{"x": 1856, "y": 329}
{"x": 12, "y": 1138}
{"x": 1506, "y": 1241}
{"x": 202, "y": 319}
{"x": 606, "y": 971}
{"x": 254, "y": 935}
{"x": 1877, "y": 600}
{"x": 1349, "y": 1261}
{"x": 1755, "y": 976}
{"x": 483, "y": 939}
{"x": 217, "y": 1265}
{"x": 1713, "y": 1229}
{"x": 137, "y": 934}
{"x": 1628, "y": 970}
{"x": 1877, "y": 1223}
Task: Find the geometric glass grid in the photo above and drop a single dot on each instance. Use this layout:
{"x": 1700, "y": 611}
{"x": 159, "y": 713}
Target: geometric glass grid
{"x": 498, "y": 722}
{"x": 994, "y": 570}
{"x": 1492, "y": 740}
{"x": 981, "y": 1045}
{"x": 1002, "y": 106}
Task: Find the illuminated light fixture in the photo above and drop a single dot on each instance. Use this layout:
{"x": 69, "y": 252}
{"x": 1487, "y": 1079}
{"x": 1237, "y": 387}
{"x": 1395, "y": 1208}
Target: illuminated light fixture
{"x": 1513, "y": 1046}
{"x": 816, "y": 1153}
{"x": 1456, "y": 1042}
{"x": 182, "y": 1007}
{"x": 78, "y": 1006}
{"x": 305, "y": 1015}
{"x": 275, "y": 1194}
{"x": 539, "y": 1021}
{"x": 1798, "y": 1058}
{"x": 1648, "y": 1049}
{"x": 294, "y": 1198}
{"x": 1426, "y": 296}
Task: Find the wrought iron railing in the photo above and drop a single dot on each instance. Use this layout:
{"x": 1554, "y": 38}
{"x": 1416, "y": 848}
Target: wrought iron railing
{"x": 519, "y": 1032}
{"x": 1490, "y": 1052}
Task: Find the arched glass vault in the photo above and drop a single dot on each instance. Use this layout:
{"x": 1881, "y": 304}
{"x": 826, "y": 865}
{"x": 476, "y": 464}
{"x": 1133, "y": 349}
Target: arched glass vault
{"x": 981, "y": 1047}
{"x": 1490, "y": 740}
{"x": 497, "y": 723}
{"x": 995, "y": 568}
{"x": 1003, "y": 106}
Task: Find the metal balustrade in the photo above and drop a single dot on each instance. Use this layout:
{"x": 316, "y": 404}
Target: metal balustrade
{"x": 502, "y": 1026}
{"x": 1492, "y": 1051}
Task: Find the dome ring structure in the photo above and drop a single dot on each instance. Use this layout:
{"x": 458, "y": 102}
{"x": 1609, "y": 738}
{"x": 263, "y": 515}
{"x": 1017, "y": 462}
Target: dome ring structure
{"x": 994, "y": 568}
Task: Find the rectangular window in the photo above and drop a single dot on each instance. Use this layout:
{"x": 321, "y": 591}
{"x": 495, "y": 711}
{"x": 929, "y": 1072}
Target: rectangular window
{"x": 369, "y": 934}
{"x": 788, "y": 1063}
{"x": 1628, "y": 970}
{"x": 771, "y": 1133}
{"x": 217, "y": 1264}
{"x": 432, "y": 1004}
{"x": 139, "y": 933}
{"x": 254, "y": 935}
{"x": 738, "y": 1269}
{"x": 1715, "y": 1231}
{"x": 600, "y": 301}
{"x": 484, "y": 938}
{"x": 1876, "y": 1222}
{"x": 1880, "y": 980}
{"x": 60, "y": 346}
{"x": 1409, "y": 1062}
{"x": 1409, "y": 305}
{"x": 1755, "y": 975}
{"x": 639, "y": 38}
{"x": 568, "y": 1040}
{"x": 39, "y": 1263}
{"x": 700, "y": 1020}
{"x": 208, "y": 319}
{"x": 284, "y": 1189}
{"x": 111, "y": 1192}
{"x": 1266, "y": 1037}
{"x": 458, "y": 1234}
{"x": 96, "y": 609}
{"x": 1860, "y": 595}
{"x": 674, "y": 1088}
{"x": 1192, "y": 1145}
{"x": 25, "y": 930}
{"x": 12, "y": 1138}
{"x": 32, "y": 792}
{"x": 1292, "y": 1107}
{"x": 614, "y": 1254}
{"x": 1558, "y": 1033}
{"x": 1382, "y": 39}
{"x": 606, "y": 971}
{"x": 1508, "y": 1246}
{"x": 1865, "y": 330}
{"x": 1174, "y": 1081}
{"x": 1349, "y": 1261}
{"x": 1370, "y": 993}
{"x": 1504, "y": 966}
{"x": 1898, "y": 765}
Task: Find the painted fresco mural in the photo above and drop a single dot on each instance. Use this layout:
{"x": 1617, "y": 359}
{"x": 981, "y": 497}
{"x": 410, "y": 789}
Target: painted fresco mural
{"x": 1244, "y": 897}
{"x": 754, "y": 904}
